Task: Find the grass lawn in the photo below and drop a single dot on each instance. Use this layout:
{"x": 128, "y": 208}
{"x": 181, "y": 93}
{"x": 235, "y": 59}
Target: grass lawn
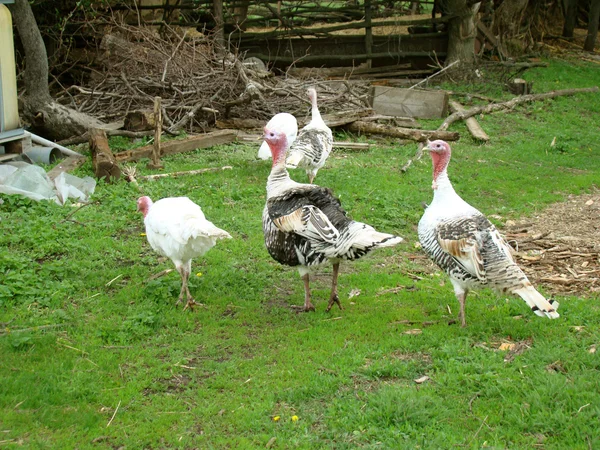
{"x": 92, "y": 355}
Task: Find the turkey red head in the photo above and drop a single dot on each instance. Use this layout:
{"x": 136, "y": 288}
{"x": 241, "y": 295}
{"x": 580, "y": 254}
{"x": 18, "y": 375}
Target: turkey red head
{"x": 143, "y": 204}
{"x": 440, "y": 156}
{"x": 277, "y": 141}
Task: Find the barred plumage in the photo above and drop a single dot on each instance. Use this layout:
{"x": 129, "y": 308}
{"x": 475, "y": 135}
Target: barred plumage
{"x": 468, "y": 247}
{"x": 305, "y": 226}
{"x": 313, "y": 145}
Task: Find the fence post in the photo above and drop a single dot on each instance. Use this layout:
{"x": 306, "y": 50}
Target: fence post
{"x": 368, "y": 32}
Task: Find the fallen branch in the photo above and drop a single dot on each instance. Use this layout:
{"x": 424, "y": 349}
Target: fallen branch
{"x": 185, "y": 172}
{"x": 462, "y": 115}
{"x": 361, "y": 126}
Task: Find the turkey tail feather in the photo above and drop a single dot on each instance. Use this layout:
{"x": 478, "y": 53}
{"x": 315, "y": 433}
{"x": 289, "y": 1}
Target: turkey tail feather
{"x": 538, "y": 303}
{"x": 371, "y": 238}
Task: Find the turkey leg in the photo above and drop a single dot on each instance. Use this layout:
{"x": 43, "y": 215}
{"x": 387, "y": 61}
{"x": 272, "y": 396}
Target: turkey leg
{"x": 462, "y": 297}
{"x": 333, "y": 298}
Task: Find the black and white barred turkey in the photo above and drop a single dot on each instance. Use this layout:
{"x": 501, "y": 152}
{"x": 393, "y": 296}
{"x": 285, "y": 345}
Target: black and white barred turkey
{"x": 468, "y": 247}
{"x": 305, "y": 226}
{"x": 313, "y": 144}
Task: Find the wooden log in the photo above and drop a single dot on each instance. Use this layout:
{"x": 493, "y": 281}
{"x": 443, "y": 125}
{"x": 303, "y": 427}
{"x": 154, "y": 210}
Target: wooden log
{"x": 423, "y": 104}
{"x": 104, "y": 162}
{"x": 141, "y": 120}
{"x": 180, "y": 146}
{"x": 361, "y": 126}
{"x": 67, "y": 165}
{"x": 472, "y": 124}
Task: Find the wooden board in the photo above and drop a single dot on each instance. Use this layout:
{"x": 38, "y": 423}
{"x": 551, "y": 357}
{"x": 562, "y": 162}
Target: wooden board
{"x": 422, "y": 104}
{"x": 67, "y": 165}
{"x": 180, "y": 146}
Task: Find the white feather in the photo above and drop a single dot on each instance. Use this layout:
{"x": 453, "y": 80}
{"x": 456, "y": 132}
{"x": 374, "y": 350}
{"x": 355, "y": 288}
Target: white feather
{"x": 284, "y": 122}
{"x": 176, "y": 228}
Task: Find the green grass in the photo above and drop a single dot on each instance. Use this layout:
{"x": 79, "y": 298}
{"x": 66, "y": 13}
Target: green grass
{"x": 218, "y": 377}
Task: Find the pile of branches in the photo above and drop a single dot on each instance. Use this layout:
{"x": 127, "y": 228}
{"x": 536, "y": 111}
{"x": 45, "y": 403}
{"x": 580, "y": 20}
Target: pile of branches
{"x": 197, "y": 83}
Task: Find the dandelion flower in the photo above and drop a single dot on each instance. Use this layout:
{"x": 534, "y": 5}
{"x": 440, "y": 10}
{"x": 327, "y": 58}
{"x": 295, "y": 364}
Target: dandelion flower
{"x": 276, "y": 419}
{"x": 142, "y": 234}
{"x": 294, "y": 418}
{"x": 199, "y": 274}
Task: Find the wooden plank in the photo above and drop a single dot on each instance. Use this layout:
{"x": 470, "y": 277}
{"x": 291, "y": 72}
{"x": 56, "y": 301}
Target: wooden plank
{"x": 9, "y": 156}
{"x": 424, "y": 104}
{"x": 67, "y": 165}
{"x": 472, "y": 124}
{"x": 181, "y": 146}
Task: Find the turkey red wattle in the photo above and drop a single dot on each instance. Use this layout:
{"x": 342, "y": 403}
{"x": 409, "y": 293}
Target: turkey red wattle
{"x": 440, "y": 161}
{"x": 278, "y": 144}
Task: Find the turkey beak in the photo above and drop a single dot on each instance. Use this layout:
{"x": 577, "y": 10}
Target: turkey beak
{"x": 427, "y": 145}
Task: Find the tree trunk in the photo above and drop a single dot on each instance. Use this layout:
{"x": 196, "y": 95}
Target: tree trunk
{"x": 570, "y": 12}
{"x": 219, "y": 28}
{"x": 461, "y": 31}
{"x": 48, "y": 118}
{"x": 507, "y": 23}
{"x": 240, "y": 13}
{"x": 593, "y": 18}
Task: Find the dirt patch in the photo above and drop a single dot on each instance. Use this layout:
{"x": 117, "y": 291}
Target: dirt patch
{"x": 560, "y": 247}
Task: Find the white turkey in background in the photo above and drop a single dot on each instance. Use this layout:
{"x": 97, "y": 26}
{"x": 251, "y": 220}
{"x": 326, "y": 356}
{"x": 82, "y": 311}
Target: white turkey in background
{"x": 305, "y": 226}
{"x": 284, "y": 122}
{"x": 314, "y": 143}
{"x": 176, "y": 228}
{"x": 468, "y": 247}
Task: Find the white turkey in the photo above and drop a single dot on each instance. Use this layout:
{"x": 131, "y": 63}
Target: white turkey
{"x": 313, "y": 145}
{"x": 305, "y": 226}
{"x": 284, "y": 122}
{"x": 176, "y": 228}
{"x": 468, "y": 247}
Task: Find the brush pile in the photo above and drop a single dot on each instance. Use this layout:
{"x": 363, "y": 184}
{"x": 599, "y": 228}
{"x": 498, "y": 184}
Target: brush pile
{"x": 197, "y": 83}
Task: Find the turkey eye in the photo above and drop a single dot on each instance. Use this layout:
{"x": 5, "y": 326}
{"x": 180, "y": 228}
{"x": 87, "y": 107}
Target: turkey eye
{"x": 272, "y": 135}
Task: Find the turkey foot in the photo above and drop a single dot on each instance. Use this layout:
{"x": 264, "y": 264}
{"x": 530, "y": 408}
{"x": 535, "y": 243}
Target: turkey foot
{"x": 191, "y": 303}
{"x": 333, "y": 299}
{"x": 304, "y": 308}
{"x": 308, "y": 306}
